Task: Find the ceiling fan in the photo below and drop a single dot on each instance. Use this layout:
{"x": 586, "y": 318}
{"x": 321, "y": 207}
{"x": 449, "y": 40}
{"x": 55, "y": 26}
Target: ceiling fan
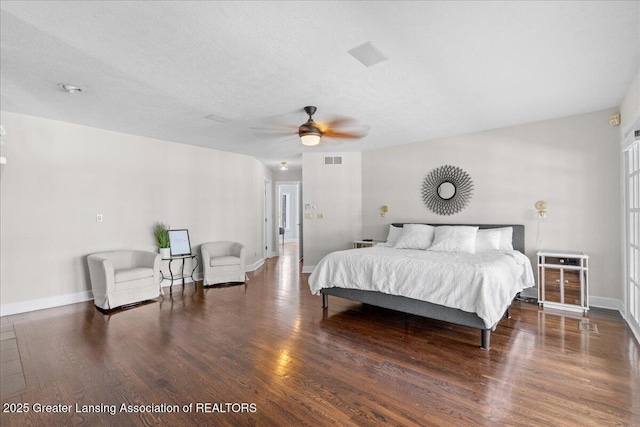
{"x": 312, "y": 132}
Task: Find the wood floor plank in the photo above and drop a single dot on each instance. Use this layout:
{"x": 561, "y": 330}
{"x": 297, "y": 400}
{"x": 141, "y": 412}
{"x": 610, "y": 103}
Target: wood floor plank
{"x": 270, "y": 344}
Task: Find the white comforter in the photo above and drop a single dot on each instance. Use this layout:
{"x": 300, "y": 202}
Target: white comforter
{"x": 483, "y": 283}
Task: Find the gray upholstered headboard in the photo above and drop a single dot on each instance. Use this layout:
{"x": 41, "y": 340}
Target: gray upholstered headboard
{"x": 518, "y": 231}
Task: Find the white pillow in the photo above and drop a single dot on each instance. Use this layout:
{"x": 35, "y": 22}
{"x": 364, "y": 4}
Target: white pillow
{"x": 394, "y": 234}
{"x": 457, "y": 238}
{"x": 488, "y": 240}
{"x": 415, "y": 236}
{"x": 506, "y": 238}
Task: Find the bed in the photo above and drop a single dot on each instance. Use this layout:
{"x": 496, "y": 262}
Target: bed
{"x": 433, "y": 283}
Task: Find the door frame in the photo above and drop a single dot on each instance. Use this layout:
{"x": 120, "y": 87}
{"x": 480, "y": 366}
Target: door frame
{"x": 628, "y": 140}
{"x": 267, "y": 216}
{"x": 298, "y": 185}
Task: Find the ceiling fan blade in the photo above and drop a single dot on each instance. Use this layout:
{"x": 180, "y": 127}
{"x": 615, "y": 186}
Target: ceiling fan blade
{"x": 338, "y": 127}
{"x": 283, "y": 128}
{"x": 288, "y": 138}
{"x": 343, "y": 135}
{"x": 274, "y": 134}
{"x": 274, "y": 131}
{"x": 340, "y": 121}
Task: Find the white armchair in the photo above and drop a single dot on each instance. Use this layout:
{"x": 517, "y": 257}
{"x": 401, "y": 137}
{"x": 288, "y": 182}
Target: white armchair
{"x": 222, "y": 262}
{"x": 123, "y": 277}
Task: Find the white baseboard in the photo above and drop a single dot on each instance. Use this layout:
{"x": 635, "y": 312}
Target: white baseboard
{"x": 60, "y": 300}
{"x": 308, "y": 268}
{"x": 42, "y": 303}
{"x": 608, "y": 303}
{"x": 256, "y": 265}
{"x": 636, "y": 331}
{"x": 634, "y": 326}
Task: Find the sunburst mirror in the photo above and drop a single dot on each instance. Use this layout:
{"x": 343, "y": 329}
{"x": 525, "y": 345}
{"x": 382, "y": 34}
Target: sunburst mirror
{"x": 447, "y": 190}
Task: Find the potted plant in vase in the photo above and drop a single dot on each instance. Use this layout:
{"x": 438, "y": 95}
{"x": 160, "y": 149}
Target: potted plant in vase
{"x": 162, "y": 236}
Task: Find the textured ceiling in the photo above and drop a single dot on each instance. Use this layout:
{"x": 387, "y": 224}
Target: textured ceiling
{"x": 157, "y": 69}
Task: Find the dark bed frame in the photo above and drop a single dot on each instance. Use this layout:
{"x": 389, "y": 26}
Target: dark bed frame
{"x": 423, "y": 308}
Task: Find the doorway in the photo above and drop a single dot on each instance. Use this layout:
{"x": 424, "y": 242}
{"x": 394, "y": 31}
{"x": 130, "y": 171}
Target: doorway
{"x": 289, "y": 220}
{"x": 267, "y": 229}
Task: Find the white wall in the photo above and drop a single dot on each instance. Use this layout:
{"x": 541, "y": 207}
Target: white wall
{"x": 288, "y": 175}
{"x": 572, "y": 163}
{"x": 59, "y": 175}
{"x": 336, "y": 193}
{"x": 631, "y": 103}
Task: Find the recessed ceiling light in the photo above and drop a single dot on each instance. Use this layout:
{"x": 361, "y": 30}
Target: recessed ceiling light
{"x": 69, "y": 88}
{"x": 368, "y": 54}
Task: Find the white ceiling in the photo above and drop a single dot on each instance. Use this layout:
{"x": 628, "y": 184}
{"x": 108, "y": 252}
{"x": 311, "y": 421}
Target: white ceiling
{"x": 158, "y": 68}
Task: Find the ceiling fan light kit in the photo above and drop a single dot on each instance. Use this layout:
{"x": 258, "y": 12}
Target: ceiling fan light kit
{"x": 310, "y": 139}
{"x": 308, "y": 132}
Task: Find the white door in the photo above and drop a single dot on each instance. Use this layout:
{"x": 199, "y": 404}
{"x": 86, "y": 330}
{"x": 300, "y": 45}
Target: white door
{"x": 631, "y": 147}
{"x": 633, "y": 233}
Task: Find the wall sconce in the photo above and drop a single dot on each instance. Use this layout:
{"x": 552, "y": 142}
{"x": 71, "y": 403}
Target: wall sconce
{"x": 614, "y": 119}
{"x": 283, "y": 166}
{"x": 541, "y": 206}
{"x": 383, "y": 210}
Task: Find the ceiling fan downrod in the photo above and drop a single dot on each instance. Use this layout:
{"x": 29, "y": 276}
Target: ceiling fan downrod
{"x": 310, "y": 110}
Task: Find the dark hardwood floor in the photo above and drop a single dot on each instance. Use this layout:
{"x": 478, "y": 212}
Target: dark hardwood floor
{"x": 266, "y": 354}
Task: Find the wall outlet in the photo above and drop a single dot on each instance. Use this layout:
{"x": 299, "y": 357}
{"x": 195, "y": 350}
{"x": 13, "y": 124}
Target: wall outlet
{"x": 98, "y": 217}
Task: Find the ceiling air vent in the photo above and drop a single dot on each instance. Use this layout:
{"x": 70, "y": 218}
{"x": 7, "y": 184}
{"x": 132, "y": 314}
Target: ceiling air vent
{"x": 368, "y": 54}
{"x": 333, "y": 160}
